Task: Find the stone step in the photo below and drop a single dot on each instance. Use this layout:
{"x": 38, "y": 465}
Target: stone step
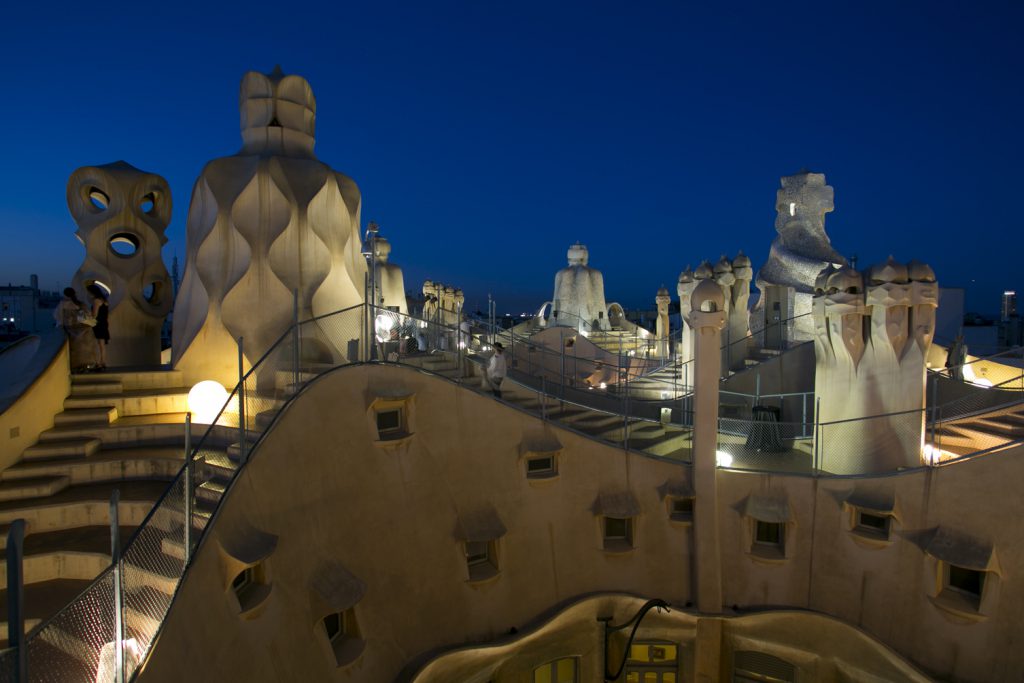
{"x": 103, "y": 388}
{"x": 80, "y": 506}
{"x": 235, "y": 452}
{"x": 103, "y": 415}
{"x": 42, "y": 600}
{"x": 37, "y": 487}
{"x": 81, "y": 554}
{"x": 219, "y": 465}
{"x": 212, "y": 490}
{"x": 265, "y": 418}
{"x": 174, "y": 545}
{"x": 665, "y": 445}
{"x": 170, "y": 517}
{"x": 65, "y": 448}
{"x": 103, "y": 465}
{"x": 998, "y": 425}
{"x": 283, "y": 378}
{"x": 143, "y": 402}
{"x": 137, "y": 430}
{"x": 962, "y": 437}
{"x": 132, "y": 380}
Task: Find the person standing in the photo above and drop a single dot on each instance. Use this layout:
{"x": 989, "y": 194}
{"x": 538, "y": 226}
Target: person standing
{"x": 72, "y": 316}
{"x": 497, "y": 369}
{"x": 101, "y": 312}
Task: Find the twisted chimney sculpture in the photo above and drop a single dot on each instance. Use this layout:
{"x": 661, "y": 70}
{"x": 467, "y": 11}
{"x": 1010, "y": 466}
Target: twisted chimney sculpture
{"x": 872, "y": 334}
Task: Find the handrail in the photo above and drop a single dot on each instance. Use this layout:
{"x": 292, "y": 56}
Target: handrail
{"x": 166, "y": 502}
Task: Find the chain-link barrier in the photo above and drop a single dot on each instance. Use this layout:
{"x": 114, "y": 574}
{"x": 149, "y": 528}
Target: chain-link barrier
{"x": 879, "y": 443}
{"x": 765, "y": 444}
{"x": 78, "y": 643}
{"x": 626, "y": 399}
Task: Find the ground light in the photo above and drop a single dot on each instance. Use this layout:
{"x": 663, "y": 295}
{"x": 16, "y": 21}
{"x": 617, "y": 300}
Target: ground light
{"x": 205, "y": 400}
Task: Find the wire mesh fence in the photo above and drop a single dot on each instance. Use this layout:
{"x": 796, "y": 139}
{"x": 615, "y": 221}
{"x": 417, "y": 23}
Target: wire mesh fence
{"x": 626, "y": 400}
{"x": 880, "y": 443}
{"x": 78, "y": 644}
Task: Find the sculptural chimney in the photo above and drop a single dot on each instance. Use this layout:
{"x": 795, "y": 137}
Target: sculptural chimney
{"x": 267, "y": 226}
{"x": 872, "y": 337}
{"x": 707, "y": 318}
{"x": 662, "y": 333}
{"x": 800, "y": 251}
{"x": 121, "y": 213}
{"x": 579, "y": 294}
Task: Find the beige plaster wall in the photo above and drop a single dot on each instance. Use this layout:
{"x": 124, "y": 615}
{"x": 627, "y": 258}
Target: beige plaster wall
{"x": 33, "y": 411}
{"x": 888, "y": 589}
{"x": 388, "y": 514}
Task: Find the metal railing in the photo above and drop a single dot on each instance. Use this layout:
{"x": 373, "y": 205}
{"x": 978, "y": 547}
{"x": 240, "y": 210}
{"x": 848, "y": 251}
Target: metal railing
{"x": 113, "y": 623}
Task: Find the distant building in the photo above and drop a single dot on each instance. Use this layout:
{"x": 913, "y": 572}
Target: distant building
{"x": 1010, "y": 332}
{"x": 25, "y": 309}
{"x": 1009, "y": 307}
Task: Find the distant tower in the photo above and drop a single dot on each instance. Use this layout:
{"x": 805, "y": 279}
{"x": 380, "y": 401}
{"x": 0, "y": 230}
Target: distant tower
{"x": 1009, "y": 308}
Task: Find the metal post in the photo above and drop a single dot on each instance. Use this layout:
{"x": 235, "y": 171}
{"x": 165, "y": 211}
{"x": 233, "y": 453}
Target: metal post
{"x": 803, "y": 419}
{"x": 935, "y": 409}
{"x": 16, "y": 597}
{"x": 625, "y": 415}
{"x": 543, "y": 398}
{"x": 561, "y": 338}
{"x": 115, "y": 560}
{"x": 817, "y": 436}
{"x": 243, "y": 453}
{"x": 189, "y": 483}
{"x": 295, "y": 338}
{"x": 490, "y": 315}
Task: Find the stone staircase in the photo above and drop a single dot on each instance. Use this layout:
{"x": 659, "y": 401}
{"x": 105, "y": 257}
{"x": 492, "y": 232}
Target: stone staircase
{"x": 119, "y": 430}
{"x": 972, "y": 434}
{"x": 650, "y": 437}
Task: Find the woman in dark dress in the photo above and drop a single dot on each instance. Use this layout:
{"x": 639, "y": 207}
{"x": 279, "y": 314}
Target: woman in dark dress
{"x": 100, "y": 311}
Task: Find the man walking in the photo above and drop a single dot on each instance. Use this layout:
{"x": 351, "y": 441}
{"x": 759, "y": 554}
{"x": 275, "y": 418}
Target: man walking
{"x": 496, "y": 369}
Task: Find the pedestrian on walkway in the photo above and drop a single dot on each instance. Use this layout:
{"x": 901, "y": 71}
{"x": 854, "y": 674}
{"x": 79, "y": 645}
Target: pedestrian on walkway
{"x": 497, "y": 369}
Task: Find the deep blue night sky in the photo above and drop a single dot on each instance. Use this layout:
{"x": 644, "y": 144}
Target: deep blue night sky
{"x": 487, "y": 137}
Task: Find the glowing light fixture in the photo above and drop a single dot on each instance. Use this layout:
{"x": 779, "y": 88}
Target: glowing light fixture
{"x": 792, "y": 208}
{"x": 723, "y": 459}
{"x": 969, "y": 376}
{"x": 205, "y": 400}
{"x": 383, "y": 325}
{"x": 603, "y": 385}
{"x": 932, "y": 455}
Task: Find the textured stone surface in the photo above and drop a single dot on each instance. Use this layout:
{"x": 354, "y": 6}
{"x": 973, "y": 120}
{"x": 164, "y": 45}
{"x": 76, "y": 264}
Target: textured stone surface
{"x": 263, "y": 224}
{"x": 390, "y": 281}
{"x": 122, "y": 213}
{"x": 801, "y": 248}
{"x": 579, "y": 294}
{"x": 872, "y": 335}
